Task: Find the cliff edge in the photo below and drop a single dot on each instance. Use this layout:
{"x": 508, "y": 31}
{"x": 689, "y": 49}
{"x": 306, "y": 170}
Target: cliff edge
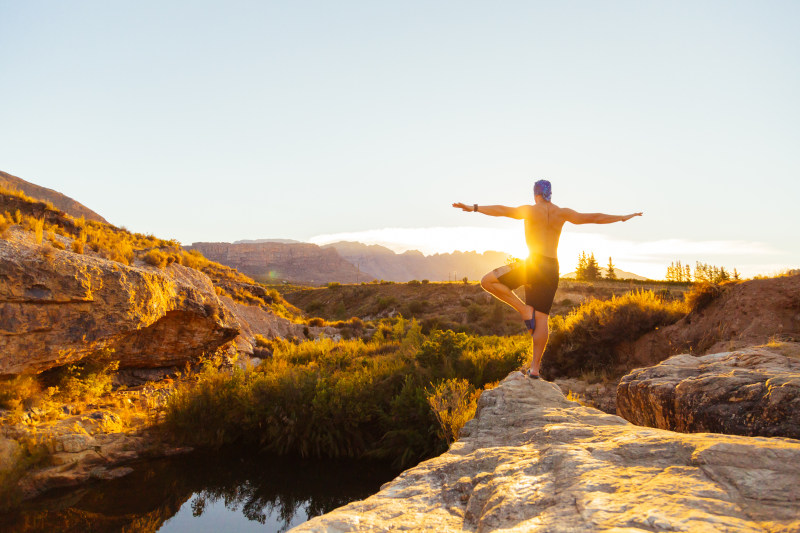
{"x": 531, "y": 460}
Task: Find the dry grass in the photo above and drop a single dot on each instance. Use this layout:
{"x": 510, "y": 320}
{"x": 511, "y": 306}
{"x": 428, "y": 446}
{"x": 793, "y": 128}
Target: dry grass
{"x": 453, "y": 402}
{"x": 584, "y": 341}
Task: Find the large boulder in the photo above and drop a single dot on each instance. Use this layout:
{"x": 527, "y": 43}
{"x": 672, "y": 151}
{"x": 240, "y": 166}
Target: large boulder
{"x": 57, "y": 307}
{"x": 747, "y": 392}
{"x": 532, "y": 461}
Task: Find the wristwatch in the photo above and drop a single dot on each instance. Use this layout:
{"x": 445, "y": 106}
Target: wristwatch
{"x": 475, "y": 207}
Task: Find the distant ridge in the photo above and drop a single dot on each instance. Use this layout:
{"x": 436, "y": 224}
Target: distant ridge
{"x": 61, "y": 201}
{"x": 621, "y": 274}
{"x": 391, "y": 266}
{"x": 258, "y": 241}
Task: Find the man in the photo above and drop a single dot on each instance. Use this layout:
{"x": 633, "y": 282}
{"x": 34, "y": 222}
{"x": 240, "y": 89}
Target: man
{"x": 539, "y": 273}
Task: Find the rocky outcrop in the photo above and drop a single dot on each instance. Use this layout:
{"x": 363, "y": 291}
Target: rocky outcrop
{"x": 62, "y": 202}
{"x": 57, "y": 307}
{"x": 254, "y": 320}
{"x": 306, "y": 263}
{"x": 748, "y": 392}
{"x": 532, "y": 461}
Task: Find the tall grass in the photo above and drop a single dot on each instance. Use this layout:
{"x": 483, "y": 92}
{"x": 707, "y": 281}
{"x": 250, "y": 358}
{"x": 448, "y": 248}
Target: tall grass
{"x": 584, "y": 341}
{"x": 341, "y": 399}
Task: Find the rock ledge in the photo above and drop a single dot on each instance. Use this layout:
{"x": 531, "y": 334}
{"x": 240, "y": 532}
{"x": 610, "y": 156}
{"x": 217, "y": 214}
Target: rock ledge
{"x": 532, "y": 461}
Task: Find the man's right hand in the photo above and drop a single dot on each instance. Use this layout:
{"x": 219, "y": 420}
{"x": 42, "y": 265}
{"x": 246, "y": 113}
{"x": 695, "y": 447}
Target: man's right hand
{"x": 464, "y": 207}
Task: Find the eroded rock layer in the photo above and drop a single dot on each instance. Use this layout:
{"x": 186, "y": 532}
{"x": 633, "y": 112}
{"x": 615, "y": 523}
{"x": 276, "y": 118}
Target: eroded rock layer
{"x": 57, "y": 307}
{"x": 532, "y": 461}
{"x": 748, "y": 392}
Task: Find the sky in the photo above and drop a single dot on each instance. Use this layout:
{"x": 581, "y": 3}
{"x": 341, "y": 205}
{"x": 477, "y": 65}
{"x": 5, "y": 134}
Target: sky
{"x": 361, "y": 120}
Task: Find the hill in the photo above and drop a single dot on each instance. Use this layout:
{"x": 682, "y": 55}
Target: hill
{"x": 621, "y": 274}
{"x": 388, "y": 265}
{"x": 62, "y": 202}
{"x": 277, "y": 261}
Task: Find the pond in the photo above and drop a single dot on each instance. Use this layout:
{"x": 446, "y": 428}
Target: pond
{"x": 228, "y": 490}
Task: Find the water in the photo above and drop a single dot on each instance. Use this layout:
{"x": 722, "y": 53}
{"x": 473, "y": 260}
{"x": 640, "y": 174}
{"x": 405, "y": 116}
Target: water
{"x": 223, "y": 491}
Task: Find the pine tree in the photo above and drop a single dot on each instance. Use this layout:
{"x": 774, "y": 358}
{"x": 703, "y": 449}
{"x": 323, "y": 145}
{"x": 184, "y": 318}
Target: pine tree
{"x": 592, "y": 269}
{"x": 611, "y": 274}
{"x": 580, "y": 272}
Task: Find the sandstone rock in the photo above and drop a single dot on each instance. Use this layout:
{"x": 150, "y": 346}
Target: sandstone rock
{"x": 601, "y": 396}
{"x": 254, "y": 320}
{"x": 74, "y": 443}
{"x": 532, "y": 461}
{"x": 10, "y": 450}
{"x": 748, "y": 392}
{"x": 62, "y": 308}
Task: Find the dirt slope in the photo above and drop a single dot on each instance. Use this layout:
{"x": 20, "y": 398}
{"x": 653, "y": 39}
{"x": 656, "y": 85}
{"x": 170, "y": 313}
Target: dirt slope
{"x": 745, "y": 314}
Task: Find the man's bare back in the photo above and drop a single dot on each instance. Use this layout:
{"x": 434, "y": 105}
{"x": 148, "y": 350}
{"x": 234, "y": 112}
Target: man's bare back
{"x": 543, "y": 224}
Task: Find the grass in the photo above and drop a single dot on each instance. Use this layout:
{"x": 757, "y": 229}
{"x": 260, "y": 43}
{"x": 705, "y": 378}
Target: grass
{"x": 351, "y": 398}
{"x": 584, "y": 341}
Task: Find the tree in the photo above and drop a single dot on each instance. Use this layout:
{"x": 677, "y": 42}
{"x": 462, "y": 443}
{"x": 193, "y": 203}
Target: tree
{"x": 592, "y": 269}
{"x": 611, "y": 274}
{"x": 588, "y": 269}
{"x": 580, "y": 272}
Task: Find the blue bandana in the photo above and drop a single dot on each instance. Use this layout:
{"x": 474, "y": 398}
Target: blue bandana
{"x": 543, "y": 188}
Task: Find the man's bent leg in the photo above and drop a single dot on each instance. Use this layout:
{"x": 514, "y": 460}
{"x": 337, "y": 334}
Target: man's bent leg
{"x": 492, "y": 285}
{"x": 540, "y": 336}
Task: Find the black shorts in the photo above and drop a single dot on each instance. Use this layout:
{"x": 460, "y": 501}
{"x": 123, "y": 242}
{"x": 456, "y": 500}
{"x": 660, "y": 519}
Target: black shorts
{"x": 539, "y": 274}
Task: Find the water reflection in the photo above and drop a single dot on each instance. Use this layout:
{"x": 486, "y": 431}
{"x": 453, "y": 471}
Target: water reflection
{"x": 197, "y": 492}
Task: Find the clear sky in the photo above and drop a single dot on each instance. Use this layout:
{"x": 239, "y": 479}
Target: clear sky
{"x": 314, "y": 120}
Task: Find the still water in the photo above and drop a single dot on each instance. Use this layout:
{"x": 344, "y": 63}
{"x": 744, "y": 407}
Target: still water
{"x": 222, "y": 491}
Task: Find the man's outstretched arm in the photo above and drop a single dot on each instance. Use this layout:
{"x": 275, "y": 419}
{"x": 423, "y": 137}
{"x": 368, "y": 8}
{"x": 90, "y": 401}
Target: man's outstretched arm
{"x": 494, "y": 210}
{"x": 595, "y": 218}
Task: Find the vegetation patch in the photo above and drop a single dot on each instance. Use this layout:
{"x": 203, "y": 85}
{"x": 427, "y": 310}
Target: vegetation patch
{"x": 584, "y": 341}
{"x": 351, "y": 398}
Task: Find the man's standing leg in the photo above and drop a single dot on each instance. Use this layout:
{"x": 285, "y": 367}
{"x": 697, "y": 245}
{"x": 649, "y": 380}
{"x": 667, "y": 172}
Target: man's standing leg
{"x": 540, "y": 336}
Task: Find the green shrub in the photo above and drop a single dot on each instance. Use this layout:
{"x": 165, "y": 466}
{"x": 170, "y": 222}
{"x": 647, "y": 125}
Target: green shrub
{"x": 586, "y": 339}
{"x": 333, "y": 399}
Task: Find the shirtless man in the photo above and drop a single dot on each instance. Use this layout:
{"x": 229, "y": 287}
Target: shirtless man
{"x": 539, "y": 273}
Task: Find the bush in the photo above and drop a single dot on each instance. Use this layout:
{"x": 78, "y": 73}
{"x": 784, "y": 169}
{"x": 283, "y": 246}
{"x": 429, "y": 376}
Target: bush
{"x": 156, "y": 257}
{"x": 316, "y": 322}
{"x": 414, "y": 282}
{"x": 702, "y": 294}
{"x": 585, "y": 340}
{"x": 349, "y": 398}
{"x": 453, "y": 402}
{"x": 334, "y": 285}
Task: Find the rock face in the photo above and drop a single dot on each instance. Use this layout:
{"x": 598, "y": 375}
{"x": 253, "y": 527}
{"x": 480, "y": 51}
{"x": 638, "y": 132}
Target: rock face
{"x": 58, "y": 307}
{"x": 532, "y": 461}
{"x": 62, "y": 202}
{"x": 283, "y": 261}
{"x": 748, "y": 392}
